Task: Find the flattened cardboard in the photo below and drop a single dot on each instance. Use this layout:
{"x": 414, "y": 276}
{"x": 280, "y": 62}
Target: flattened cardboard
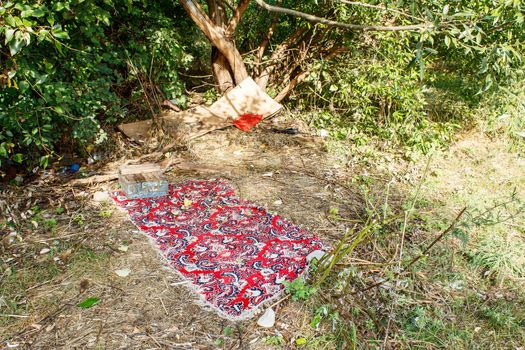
{"x": 247, "y": 97}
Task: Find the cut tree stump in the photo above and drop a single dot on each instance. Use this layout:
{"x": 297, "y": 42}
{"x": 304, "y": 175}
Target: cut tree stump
{"x": 247, "y": 97}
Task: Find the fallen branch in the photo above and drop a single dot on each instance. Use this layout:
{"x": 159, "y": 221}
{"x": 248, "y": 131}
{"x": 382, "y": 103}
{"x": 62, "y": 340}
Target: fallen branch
{"x": 166, "y": 165}
{"x": 95, "y": 179}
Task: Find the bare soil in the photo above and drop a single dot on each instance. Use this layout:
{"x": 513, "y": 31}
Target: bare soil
{"x": 150, "y": 308}
{"x": 48, "y": 268}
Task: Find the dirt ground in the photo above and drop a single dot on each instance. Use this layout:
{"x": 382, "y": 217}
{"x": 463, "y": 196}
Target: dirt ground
{"x": 68, "y": 247}
{"x": 150, "y": 308}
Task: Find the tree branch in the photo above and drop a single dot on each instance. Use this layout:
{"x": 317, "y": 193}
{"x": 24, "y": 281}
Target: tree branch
{"x": 315, "y": 19}
{"x": 362, "y": 4}
{"x": 277, "y": 54}
{"x": 267, "y": 37}
{"x": 237, "y": 14}
{"x": 300, "y": 76}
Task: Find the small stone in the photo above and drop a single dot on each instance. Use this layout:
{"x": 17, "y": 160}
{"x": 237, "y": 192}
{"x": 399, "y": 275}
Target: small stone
{"x": 123, "y": 272}
{"x": 44, "y": 251}
{"x": 123, "y": 248}
{"x": 323, "y": 133}
{"x": 278, "y": 202}
{"x": 268, "y": 174}
{"x": 267, "y": 320}
{"x": 101, "y": 196}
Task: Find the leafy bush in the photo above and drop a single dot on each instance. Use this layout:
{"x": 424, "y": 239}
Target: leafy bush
{"x": 299, "y": 289}
{"x": 415, "y": 89}
{"x": 70, "y": 67}
{"x": 504, "y": 110}
{"x": 376, "y": 94}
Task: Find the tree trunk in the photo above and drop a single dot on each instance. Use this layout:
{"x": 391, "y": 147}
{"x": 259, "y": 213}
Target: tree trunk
{"x": 219, "y": 63}
{"x": 218, "y": 39}
{"x": 221, "y": 71}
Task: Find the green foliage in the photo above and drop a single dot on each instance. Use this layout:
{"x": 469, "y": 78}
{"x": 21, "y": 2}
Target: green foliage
{"x": 299, "y": 289}
{"x": 500, "y": 253}
{"x": 89, "y": 303}
{"x": 412, "y": 89}
{"x": 59, "y": 210}
{"x": 276, "y": 340}
{"x": 500, "y": 315}
{"x": 504, "y": 110}
{"x": 68, "y": 68}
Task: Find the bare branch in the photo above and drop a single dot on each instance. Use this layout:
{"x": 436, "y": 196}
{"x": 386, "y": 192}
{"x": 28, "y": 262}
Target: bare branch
{"x": 266, "y": 40}
{"x": 362, "y": 4}
{"x": 278, "y": 53}
{"x": 315, "y": 19}
{"x": 268, "y": 36}
{"x": 237, "y": 14}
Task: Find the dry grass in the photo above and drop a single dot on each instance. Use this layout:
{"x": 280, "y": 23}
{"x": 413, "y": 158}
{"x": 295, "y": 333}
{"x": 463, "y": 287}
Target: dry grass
{"x": 290, "y": 175}
{"x": 148, "y": 309}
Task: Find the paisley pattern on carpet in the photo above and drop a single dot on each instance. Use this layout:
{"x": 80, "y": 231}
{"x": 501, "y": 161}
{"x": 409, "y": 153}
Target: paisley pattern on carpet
{"x": 234, "y": 252}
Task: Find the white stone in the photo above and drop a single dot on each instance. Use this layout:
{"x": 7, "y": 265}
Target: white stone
{"x": 123, "y": 272}
{"x": 323, "y": 133}
{"x": 267, "y": 320}
{"x": 101, "y": 196}
{"x": 123, "y": 248}
{"x": 45, "y": 251}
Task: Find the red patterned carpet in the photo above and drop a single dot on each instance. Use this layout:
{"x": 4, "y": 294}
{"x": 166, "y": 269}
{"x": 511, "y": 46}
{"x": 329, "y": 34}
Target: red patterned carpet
{"x": 234, "y": 252}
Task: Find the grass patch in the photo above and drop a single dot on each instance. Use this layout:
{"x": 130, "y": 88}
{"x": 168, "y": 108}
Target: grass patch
{"x": 36, "y": 270}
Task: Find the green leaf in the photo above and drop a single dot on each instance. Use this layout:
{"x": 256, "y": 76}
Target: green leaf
{"x": 89, "y": 302}
{"x": 59, "y": 33}
{"x": 40, "y": 78}
{"x": 3, "y": 150}
{"x": 9, "y": 35}
{"x": 15, "y": 46}
{"x": 11, "y": 21}
{"x": 38, "y": 13}
{"x": 44, "y": 160}
{"x": 58, "y": 6}
{"x": 18, "y": 158}
{"x": 447, "y": 41}
{"x": 42, "y": 34}
{"x": 23, "y": 85}
{"x": 227, "y": 331}
{"x": 300, "y": 341}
